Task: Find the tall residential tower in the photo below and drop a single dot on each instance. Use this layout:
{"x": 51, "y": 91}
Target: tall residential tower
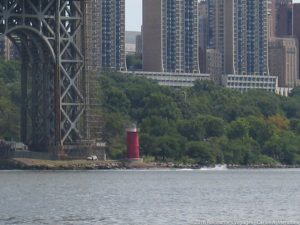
{"x": 105, "y": 35}
{"x": 238, "y": 30}
{"x": 296, "y": 26}
{"x": 203, "y": 16}
{"x": 113, "y": 34}
{"x": 170, "y": 36}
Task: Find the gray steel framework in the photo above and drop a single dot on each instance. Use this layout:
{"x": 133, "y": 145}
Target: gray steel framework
{"x": 48, "y": 34}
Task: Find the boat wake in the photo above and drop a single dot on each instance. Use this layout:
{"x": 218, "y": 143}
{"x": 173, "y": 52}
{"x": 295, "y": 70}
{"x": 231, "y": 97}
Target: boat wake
{"x": 222, "y": 167}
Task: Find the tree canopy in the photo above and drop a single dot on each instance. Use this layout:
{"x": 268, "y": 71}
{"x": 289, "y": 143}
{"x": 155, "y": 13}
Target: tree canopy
{"x": 207, "y": 123}
{"x": 204, "y": 124}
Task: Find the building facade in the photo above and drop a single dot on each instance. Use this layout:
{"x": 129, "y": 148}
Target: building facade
{"x": 280, "y": 18}
{"x": 251, "y": 37}
{"x": 296, "y": 26}
{"x": 239, "y": 30}
{"x": 247, "y": 82}
{"x": 105, "y": 35}
{"x": 139, "y": 45}
{"x": 113, "y": 34}
{"x": 93, "y": 36}
{"x": 283, "y": 61}
{"x": 203, "y": 35}
{"x": 284, "y": 18}
{"x": 104, "y": 49}
{"x": 220, "y": 34}
{"x": 214, "y": 62}
{"x": 170, "y": 36}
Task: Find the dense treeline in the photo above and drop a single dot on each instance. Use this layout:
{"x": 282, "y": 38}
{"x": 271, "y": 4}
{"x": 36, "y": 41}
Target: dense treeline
{"x": 205, "y": 124}
{"x": 9, "y": 100}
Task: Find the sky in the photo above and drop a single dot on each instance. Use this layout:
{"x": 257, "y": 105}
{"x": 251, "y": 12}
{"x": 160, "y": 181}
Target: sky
{"x": 134, "y": 14}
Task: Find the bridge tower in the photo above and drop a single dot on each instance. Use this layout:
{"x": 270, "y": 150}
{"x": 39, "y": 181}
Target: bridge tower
{"x": 49, "y": 36}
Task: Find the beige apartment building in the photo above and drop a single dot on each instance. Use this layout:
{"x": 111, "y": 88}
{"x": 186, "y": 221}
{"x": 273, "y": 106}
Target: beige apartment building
{"x": 220, "y": 35}
{"x": 170, "y": 36}
{"x": 283, "y": 61}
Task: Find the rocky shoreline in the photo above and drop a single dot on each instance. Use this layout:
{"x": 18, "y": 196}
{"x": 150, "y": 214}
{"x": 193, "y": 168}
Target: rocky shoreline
{"x": 34, "y": 164}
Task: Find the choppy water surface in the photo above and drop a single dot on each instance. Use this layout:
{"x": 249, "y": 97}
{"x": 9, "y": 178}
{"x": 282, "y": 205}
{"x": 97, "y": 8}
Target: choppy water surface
{"x": 150, "y": 197}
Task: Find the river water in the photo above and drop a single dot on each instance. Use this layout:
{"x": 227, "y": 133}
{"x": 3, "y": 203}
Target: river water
{"x": 150, "y": 197}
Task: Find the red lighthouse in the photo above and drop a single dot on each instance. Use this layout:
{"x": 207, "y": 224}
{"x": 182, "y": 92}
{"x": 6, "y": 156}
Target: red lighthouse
{"x": 133, "y": 144}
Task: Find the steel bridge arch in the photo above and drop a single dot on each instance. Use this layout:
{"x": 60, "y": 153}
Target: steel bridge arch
{"x": 35, "y": 55}
{"x": 31, "y": 30}
{"x": 53, "y": 29}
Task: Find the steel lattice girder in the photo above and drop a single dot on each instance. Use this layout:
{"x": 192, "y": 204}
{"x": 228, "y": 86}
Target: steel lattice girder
{"x": 49, "y": 34}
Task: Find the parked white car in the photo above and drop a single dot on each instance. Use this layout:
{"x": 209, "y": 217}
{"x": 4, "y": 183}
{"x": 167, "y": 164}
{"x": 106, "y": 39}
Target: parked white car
{"x": 92, "y": 157}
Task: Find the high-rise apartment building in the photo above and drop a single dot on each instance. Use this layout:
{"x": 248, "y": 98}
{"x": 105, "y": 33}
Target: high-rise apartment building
{"x": 272, "y": 17}
{"x": 296, "y": 26}
{"x": 105, "y": 35}
{"x": 203, "y": 16}
{"x": 104, "y": 49}
{"x": 170, "y": 36}
{"x": 220, "y": 35}
{"x": 284, "y": 18}
{"x": 239, "y": 30}
{"x": 283, "y": 61}
{"x": 113, "y": 34}
{"x": 93, "y": 36}
{"x": 280, "y": 18}
{"x": 251, "y": 37}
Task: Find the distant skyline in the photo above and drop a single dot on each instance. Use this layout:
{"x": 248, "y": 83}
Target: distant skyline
{"x": 134, "y": 14}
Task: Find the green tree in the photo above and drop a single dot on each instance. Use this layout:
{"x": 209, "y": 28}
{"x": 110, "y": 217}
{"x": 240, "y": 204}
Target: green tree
{"x": 158, "y": 104}
{"x": 268, "y": 103}
{"x": 260, "y": 130}
{"x": 169, "y": 147}
{"x": 241, "y": 151}
{"x": 291, "y": 107}
{"x": 295, "y": 125}
{"x": 283, "y": 148}
{"x": 238, "y": 129}
{"x": 214, "y": 126}
{"x": 116, "y": 100}
{"x": 148, "y": 145}
{"x": 295, "y": 92}
{"x": 202, "y": 152}
{"x": 134, "y": 62}
{"x": 193, "y": 129}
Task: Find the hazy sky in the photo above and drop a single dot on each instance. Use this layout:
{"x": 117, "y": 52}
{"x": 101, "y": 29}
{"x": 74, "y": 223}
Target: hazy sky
{"x": 134, "y": 14}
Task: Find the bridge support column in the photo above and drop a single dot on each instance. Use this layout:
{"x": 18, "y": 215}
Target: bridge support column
{"x": 49, "y": 34}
